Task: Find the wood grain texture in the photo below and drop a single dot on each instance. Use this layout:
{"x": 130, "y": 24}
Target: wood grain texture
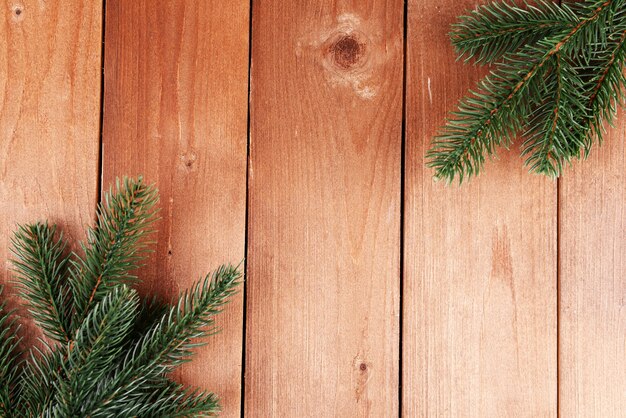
{"x": 49, "y": 116}
{"x": 479, "y": 320}
{"x": 324, "y": 209}
{"x": 592, "y": 321}
{"x": 175, "y": 110}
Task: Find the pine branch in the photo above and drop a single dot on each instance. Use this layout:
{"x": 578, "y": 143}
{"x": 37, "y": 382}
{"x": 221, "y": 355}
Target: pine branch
{"x": 163, "y": 398}
{"x": 173, "y": 400}
{"x": 553, "y": 133}
{"x": 9, "y": 361}
{"x": 607, "y": 85}
{"x": 95, "y": 351}
{"x": 39, "y": 380}
{"x": 539, "y": 87}
{"x": 168, "y": 343}
{"x": 111, "y": 352}
{"x": 41, "y": 269}
{"x": 490, "y": 117}
{"x": 115, "y": 246}
{"x": 493, "y": 30}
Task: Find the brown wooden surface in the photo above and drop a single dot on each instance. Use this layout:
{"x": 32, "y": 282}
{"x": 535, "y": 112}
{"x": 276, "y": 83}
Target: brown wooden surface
{"x": 480, "y": 260}
{"x": 324, "y": 211}
{"x": 491, "y": 326}
{"x": 592, "y": 321}
{"x": 175, "y": 110}
{"x": 49, "y": 116}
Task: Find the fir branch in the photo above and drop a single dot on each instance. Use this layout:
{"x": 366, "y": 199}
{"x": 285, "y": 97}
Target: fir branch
{"x": 38, "y": 382}
{"x": 115, "y": 246}
{"x": 168, "y": 343}
{"x": 514, "y": 96}
{"x": 173, "y": 400}
{"x": 493, "y": 30}
{"x": 490, "y": 117}
{"x": 41, "y": 270}
{"x": 164, "y": 398}
{"x": 9, "y": 361}
{"x": 94, "y": 353}
{"x": 553, "y": 133}
{"x": 114, "y": 352}
{"x": 606, "y": 87}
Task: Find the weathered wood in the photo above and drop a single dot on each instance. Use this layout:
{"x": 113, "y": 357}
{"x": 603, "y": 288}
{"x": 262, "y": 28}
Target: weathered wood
{"x": 592, "y": 286}
{"x": 175, "y": 110}
{"x": 324, "y": 209}
{"x": 479, "y": 324}
{"x": 49, "y": 116}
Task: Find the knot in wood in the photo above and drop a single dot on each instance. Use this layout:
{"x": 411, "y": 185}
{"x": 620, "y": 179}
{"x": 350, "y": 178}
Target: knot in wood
{"x": 18, "y": 12}
{"x": 347, "y": 51}
{"x": 188, "y": 159}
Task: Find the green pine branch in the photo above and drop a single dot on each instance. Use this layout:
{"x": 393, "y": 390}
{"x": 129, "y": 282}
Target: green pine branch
{"x": 109, "y": 351}
{"x": 492, "y": 31}
{"x": 94, "y": 353}
{"x": 115, "y": 247}
{"x": 165, "y": 398}
{"x": 168, "y": 343}
{"x": 553, "y": 133}
{"x": 173, "y": 400}
{"x": 606, "y": 86}
{"x": 39, "y": 378}
{"x": 557, "y": 78}
{"x": 491, "y": 116}
{"x": 41, "y": 270}
{"x": 9, "y": 361}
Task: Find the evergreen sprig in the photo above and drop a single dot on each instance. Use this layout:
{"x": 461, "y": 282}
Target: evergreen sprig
{"x": 114, "y": 248}
{"x": 108, "y": 353}
{"x": 557, "y": 78}
{"x": 41, "y": 268}
{"x": 9, "y": 359}
{"x": 167, "y": 344}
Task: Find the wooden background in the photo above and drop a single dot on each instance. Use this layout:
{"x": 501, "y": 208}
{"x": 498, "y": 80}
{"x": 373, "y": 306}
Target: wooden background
{"x": 293, "y": 133}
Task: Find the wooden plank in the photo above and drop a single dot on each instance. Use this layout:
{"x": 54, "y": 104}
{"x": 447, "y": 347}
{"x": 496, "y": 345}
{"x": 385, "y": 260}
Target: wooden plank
{"x": 175, "y": 110}
{"x": 49, "y": 116}
{"x": 592, "y": 313}
{"x": 324, "y": 209}
{"x": 479, "y": 300}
